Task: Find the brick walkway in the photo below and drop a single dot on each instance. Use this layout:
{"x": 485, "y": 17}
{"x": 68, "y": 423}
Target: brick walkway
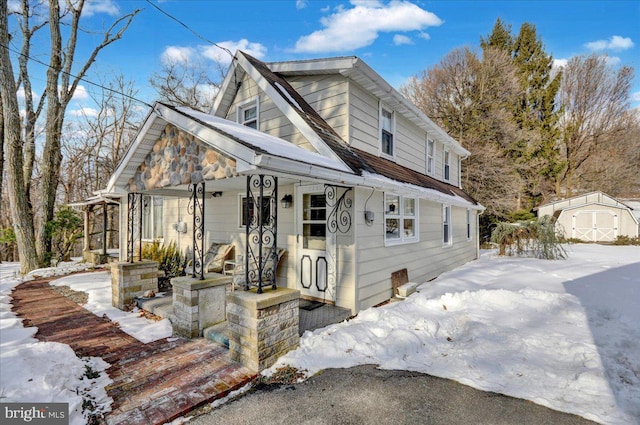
{"x": 152, "y": 383}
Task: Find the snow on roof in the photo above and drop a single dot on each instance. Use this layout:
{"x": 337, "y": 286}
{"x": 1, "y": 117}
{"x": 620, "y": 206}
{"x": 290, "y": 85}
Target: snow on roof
{"x": 267, "y": 143}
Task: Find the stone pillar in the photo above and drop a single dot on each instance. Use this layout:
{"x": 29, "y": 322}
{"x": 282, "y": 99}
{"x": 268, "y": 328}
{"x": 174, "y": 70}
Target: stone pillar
{"x": 198, "y": 304}
{"x": 130, "y": 280}
{"x": 262, "y": 327}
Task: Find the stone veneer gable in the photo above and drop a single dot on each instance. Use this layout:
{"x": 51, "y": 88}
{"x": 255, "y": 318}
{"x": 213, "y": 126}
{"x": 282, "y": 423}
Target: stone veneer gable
{"x": 178, "y": 157}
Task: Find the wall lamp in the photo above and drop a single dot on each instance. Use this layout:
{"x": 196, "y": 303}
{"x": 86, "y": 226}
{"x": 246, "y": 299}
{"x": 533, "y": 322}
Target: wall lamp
{"x": 216, "y": 194}
{"x": 286, "y": 201}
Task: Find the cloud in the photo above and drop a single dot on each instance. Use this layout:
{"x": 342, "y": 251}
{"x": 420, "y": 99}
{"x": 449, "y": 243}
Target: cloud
{"x": 350, "y": 29}
{"x": 21, "y": 94}
{"x": 93, "y": 7}
{"x": 635, "y": 97}
{"x": 560, "y": 63}
{"x": 84, "y": 112}
{"x": 301, "y": 4}
{"x": 612, "y": 60}
{"x": 178, "y": 55}
{"x": 216, "y": 54}
{"x": 424, "y": 36}
{"x": 400, "y": 39}
{"x": 80, "y": 93}
{"x": 615, "y": 43}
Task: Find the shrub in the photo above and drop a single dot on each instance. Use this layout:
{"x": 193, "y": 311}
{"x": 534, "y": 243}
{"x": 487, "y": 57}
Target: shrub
{"x": 170, "y": 260}
{"x": 626, "y": 240}
{"x": 65, "y": 230}
{"x": 537, "y": 238}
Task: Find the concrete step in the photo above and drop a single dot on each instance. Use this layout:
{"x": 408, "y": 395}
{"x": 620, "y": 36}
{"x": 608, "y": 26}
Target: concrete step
{"x": 217, "y": 333}
{"x": 161, "y": 306}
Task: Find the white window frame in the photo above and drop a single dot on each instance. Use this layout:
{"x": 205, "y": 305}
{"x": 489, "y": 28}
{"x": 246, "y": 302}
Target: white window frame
{"x": 401, "y": 216}
{"x": 149, "y": 224}
{"x": 392, "y": 131}
{"x": 446, "y": 164}
{"x": 241, "y": 200}
{"x": 469, "y": 226}
{"x": 253, "y": 102}
{"x": 447, "y": 231}
{"x": 430, "y": 163}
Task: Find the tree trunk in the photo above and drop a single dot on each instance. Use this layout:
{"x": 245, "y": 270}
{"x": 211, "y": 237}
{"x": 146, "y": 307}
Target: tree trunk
{"x": 22, "y": 220}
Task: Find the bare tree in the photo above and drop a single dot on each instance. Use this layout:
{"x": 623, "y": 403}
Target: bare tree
{"x": 188, "y": 84}
{"x": 60, "y": 88}
{"x": 471, "y": 97}
{"x": 595, "y": 122}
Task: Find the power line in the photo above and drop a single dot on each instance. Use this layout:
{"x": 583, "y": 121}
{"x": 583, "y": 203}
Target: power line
{"x": 83, "y": 79}
{"x": 194, "y": 32}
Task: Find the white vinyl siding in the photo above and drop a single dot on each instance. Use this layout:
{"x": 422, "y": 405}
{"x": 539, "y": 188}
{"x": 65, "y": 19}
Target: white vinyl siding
{"x": 424, "y": 260}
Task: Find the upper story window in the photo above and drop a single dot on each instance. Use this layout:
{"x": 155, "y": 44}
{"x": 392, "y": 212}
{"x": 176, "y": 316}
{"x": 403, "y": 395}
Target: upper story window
{"x": 431, "y": 150}
{"x": 446, "y": 225}
{"x": 387, "y": 130}
{"x": 400, "y": 218}
{"x": 446, "y": 172}
{"x": 248, "y": 113}
{"x": 152, "y": 217}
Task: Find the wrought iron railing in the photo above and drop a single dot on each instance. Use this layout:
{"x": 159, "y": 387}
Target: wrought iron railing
{"x": 196, "y": 209}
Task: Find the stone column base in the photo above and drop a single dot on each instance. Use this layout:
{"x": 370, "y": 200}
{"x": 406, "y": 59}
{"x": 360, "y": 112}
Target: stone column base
{"x": 130, "y": 280}
{"x": 262, "y": 327}
{"x": 198, "y": 304}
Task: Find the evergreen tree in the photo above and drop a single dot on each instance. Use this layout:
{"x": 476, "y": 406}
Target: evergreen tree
{"x": 500, "y": 38}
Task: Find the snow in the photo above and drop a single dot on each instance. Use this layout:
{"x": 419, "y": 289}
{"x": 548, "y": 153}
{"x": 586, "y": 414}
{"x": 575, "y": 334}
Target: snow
{"x": 34, "y": 371}
{"x": 271, "y": 144}
{"x": 563, "y": 334}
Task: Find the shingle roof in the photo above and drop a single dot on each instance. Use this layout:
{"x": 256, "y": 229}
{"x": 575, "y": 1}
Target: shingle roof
{"x": 358, "y": 160}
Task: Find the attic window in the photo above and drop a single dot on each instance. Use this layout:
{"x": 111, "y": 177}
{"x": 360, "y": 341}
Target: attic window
{"x": 248, "y": 114}
{"x": 386, "y": 131}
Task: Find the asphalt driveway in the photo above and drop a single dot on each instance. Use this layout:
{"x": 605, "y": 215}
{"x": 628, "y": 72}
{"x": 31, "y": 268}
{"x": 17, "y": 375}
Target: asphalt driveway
{"x": 366, "y": 395}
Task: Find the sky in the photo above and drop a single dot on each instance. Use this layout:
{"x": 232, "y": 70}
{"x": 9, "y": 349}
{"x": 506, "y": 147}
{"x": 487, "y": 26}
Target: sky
{"x": 397, "y": 38}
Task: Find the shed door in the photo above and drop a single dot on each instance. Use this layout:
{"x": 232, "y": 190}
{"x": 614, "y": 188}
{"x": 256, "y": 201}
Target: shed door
{"x": 595, "y": 226}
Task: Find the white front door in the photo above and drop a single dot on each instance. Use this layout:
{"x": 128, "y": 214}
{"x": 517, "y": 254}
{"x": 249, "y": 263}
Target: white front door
{"x": 311, "y": 269}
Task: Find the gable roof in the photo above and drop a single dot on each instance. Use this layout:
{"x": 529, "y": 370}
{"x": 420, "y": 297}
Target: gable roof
{"x": 297, "y": 109}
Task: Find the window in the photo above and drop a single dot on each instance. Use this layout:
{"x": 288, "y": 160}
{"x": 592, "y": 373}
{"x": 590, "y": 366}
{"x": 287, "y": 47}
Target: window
{"x": 400, "y": 218}
{"x": 314, "y": 221}
{"x": 386, "y": 131}
{"x": 469, "y": 237}
{"x": 267, "y": 209}
{"x": 447, "y": 165}
{"x": 446, "y": 225}
{"x": 248, "y": 114}
{"x": 430, "y": 156}
{"x": 152, "y": 217}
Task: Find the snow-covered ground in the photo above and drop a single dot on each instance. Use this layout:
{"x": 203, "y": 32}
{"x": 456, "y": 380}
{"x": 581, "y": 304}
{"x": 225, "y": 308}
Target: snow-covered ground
{"x": 564, "y": 334}
{"x": 33, "y": 371}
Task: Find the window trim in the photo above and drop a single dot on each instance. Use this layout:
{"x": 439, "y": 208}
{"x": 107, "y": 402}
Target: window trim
{"x": 430, "y": 170}
{"x": 469, "y": 232}
{"x": 401, "y": 218}
{"x": 247, "y": 104}
{"x": 382, "y": 108}
{"x": 152, "y": 219}
{"x": 447, "y": 226}
{"x": 446, "y": 164}
{"x": 241, "y": 200}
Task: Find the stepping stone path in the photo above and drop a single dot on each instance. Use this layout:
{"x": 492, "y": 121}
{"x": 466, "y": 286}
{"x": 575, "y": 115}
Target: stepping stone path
{"x": 153, "y": 383}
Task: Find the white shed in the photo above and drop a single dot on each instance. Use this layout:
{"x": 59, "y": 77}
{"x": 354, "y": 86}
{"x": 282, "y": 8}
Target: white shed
{"x": 593, "y": 217}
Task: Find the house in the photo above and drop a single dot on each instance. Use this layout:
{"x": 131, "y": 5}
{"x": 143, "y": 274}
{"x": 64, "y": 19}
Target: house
{"x": 320, "y": 158}
{"x": 593, "y": 217}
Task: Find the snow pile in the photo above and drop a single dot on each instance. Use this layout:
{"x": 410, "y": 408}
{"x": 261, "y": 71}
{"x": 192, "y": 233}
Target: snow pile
{"x": 563, "y": 334}
{"x": 98, "y": 286}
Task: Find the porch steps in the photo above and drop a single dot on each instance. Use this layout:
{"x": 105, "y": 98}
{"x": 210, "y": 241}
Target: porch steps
{"x": 161, "y": 306}
{"x": 217, "y": 333}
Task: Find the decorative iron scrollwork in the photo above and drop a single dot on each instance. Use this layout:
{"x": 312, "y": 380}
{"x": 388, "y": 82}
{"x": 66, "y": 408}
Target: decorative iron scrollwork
{"x": 134, "y": 224}
{"x": 260, "y": 216}
{"x": 339, "y": 209}
{"x": 196, "y": 209}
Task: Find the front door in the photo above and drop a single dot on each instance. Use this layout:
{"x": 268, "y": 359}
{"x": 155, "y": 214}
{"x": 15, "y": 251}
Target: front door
{"x": 312, "y": 270}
